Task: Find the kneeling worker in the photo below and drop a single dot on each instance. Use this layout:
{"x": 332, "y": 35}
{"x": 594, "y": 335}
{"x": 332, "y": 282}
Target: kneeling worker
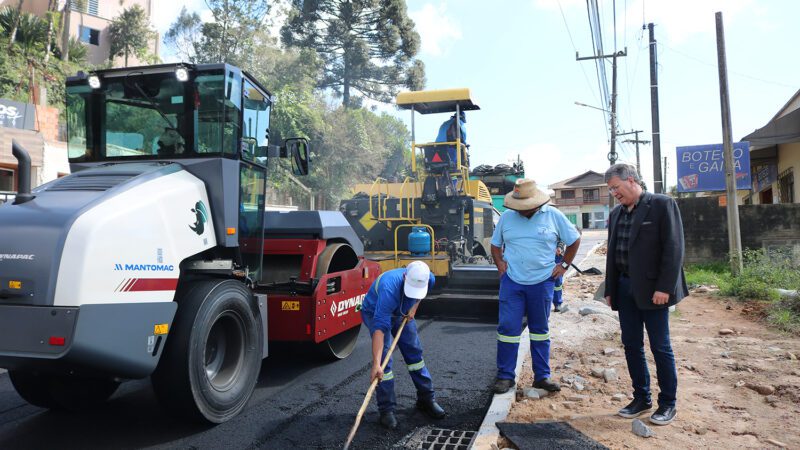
{"x": 394, "y": 295}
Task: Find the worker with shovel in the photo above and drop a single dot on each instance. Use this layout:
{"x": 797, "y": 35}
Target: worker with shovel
{"x": 394, "y": 297}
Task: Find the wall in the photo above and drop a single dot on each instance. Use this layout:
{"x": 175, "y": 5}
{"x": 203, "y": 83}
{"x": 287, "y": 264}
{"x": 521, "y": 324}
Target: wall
{"x": 705, "y": 227}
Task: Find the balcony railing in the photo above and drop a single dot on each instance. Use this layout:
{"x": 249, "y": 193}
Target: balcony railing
{"x": 580, "y": 201}
{"x": 7, "y": 197}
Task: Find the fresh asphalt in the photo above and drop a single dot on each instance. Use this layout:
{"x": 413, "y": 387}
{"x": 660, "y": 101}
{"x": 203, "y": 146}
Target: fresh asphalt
{"x": 300, "y": 402}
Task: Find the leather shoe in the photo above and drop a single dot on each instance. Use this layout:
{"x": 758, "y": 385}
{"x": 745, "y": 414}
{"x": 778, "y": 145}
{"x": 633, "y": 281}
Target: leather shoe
{"x": 663, "y": 415}
{"x": 547, "y": 384}
{"x": 388, "y": 420}
{"x": 431, "y": 408}
{"x": 502, "y": 385}
{"x": 557, "y": 308}
{"x": 635, "y": 408}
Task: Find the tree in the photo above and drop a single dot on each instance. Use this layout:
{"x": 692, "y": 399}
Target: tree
{"x": 13, "y": 34}
{"x": 367, "y": 45}
{"x": 130, "y": 34}
{"x": 184, "y": 34}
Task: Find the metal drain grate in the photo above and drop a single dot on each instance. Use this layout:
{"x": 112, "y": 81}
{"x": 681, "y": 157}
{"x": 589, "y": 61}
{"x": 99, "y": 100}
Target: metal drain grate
{"x": 441, "y": 439}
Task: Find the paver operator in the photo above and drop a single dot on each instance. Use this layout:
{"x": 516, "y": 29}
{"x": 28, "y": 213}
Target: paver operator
{"x": 523, "y": 246}
{"x": 394, "y": 295}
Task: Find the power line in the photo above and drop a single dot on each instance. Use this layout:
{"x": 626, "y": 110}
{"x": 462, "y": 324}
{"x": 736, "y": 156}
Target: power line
{"x": 572, "y": 42}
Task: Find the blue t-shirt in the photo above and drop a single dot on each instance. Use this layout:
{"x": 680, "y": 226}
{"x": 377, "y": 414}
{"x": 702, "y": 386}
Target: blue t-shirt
{"x": 442, "y": 136}
{"x": 385, "y": 299}
{"x": 531, "y": 243}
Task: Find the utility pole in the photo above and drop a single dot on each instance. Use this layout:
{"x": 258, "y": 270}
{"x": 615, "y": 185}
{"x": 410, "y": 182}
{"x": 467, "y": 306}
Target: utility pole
{"x": 637, "y": 142}
{"x": 734, "y": 233}
{"x": 658, "y": 184}
{"x": 612, "y": 154}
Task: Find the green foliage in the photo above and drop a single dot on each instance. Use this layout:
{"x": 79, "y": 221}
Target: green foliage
{"x": 130, "y": 34}
{"x": 763, "y": 272}
{"x": 184, "y": 34}
{"x": 24, "y": 66}
{"x": 367, "y": 46}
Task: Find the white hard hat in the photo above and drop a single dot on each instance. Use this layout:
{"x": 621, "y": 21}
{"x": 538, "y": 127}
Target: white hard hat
{"x": 418, "y": 276}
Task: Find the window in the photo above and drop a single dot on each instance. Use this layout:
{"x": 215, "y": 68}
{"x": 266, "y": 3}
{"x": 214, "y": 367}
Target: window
{"x": 88, "y": 6}
{"x": 89, "y": 35}
{"x": 591, "y": 195}
{"x": 7, "y": 180}
{"x": 255, "y": 129}
{"x": 786, "y": 186}
{"x": 568, "y": 194}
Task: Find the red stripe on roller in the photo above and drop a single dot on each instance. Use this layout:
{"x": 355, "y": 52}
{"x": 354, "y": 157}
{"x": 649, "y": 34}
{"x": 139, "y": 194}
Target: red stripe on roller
{"x": 153, "y": 284}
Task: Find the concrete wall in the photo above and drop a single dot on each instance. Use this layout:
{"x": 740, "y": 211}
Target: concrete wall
{"x": 705, "y": 227}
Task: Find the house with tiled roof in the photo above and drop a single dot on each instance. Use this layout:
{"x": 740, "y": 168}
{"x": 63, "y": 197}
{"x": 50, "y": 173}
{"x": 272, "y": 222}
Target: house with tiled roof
{"x": 583, "y": 199}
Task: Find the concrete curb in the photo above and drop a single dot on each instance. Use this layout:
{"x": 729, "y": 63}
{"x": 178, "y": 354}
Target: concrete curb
{"x": 501, "y": 403}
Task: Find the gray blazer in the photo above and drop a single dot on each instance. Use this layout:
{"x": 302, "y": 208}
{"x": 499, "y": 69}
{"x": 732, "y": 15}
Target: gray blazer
{"x": 655, "y": 258}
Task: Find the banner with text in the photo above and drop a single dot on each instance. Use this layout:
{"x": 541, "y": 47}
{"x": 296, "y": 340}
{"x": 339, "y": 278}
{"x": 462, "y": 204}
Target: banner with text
{"x": 702, "y": 167}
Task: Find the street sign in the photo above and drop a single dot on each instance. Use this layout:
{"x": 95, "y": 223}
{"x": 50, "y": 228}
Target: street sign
{"x": 701, "y": 168}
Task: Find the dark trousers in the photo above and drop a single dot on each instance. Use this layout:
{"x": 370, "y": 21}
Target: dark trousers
{"x": 411, "y": 349}
{"x": 632, "y": 321}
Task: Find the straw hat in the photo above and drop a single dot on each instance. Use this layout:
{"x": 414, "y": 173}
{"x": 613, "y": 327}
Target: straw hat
{"x": 525, "y": 196}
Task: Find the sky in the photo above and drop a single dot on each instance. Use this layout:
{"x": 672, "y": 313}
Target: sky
{"x": 518, "y": 57}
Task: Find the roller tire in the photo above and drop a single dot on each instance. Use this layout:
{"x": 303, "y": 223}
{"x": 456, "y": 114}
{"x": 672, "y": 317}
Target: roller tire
{"x": 212, "y": 356}
{"x": 337, "y": 257}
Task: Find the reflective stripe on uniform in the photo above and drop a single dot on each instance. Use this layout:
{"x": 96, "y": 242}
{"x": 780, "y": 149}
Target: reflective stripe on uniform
{"x": 508, "y": 339}
{"x": 416, "y": 366}
{"x": 540, "y": 337}
{"x": 388, "y": 376}
{"x": 558, "y": 288}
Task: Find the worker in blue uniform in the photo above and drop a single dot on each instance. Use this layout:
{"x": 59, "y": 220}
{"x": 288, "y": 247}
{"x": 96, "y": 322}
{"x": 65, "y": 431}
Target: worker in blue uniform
{"x": 523, "y": 245}
{"x": 396, "y": 294}
{"x": 448, "y": 133}
{"x": 558, "y": 286}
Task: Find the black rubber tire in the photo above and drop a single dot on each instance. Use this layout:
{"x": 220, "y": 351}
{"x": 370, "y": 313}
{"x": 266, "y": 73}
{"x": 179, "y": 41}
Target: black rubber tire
{"x": 56, "y": 391}
{"x": 33, "y": 387}
{"x": 212, "y": 356}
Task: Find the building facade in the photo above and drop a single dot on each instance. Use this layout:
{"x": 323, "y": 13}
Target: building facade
{"x": 775, "y": 157}
{"x": 583, "y": 199}
{"x": 88, "y": 22}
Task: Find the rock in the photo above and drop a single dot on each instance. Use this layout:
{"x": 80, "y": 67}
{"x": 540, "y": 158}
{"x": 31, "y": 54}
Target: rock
{"x": 569, "y": 405}
{"x": 774, "y": 349}
{"x": 728, "y": 307}
{"x": 597, "y": 372}
{"x": 725, "y": 331}
{"x": 690, "y": 367}
{"x": 776, "y": 443}
{"x": 739, "y": 384}
{"x": 640, "y": 429}
{"x": 577, "y": 398}
{"x": 619, "y": 397}
{"x": 763, "y": 389}
{"x": 796, "y": 373}
{"x": 725, "y": 354}
{"x": 594, "y": 360}
{"x": 610, "y": 375}
{"x": 701, "y": 430}
{"x": 609, "y": 351}
{"x": 564, "y": 308}
{"x": 791, "y": 356}
{"x": 588, "y": 310}
{"x": 578, "y": 386}
{"x": 553, "y": 407}
{"x": 535, "y": 393}
{"x": 771, "y": 399}
{"x": 701, "y": 290}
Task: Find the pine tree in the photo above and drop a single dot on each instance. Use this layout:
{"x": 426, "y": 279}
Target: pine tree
{"x": 130, "y": 34}
{"x": 367, "y": 45}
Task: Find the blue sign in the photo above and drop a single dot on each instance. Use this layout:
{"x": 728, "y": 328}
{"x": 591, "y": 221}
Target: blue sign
{"x": 701, "y": 168}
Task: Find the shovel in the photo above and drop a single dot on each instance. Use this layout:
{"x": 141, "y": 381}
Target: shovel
{"x": 373, "y": 385}
{"x": 589, "y": 271}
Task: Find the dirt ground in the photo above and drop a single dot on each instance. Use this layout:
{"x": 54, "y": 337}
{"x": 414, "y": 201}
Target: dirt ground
{"x": 738, "y": 381}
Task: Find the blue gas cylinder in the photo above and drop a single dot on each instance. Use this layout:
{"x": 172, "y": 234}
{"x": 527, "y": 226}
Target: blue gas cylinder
{"x": 419, "y": 241}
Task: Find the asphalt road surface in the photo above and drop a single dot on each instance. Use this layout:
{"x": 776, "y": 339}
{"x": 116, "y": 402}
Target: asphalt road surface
{"x": 299, "y": 403}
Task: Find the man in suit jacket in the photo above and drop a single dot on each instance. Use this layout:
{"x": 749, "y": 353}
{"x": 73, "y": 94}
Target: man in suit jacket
{"x": 644, "y": 277}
